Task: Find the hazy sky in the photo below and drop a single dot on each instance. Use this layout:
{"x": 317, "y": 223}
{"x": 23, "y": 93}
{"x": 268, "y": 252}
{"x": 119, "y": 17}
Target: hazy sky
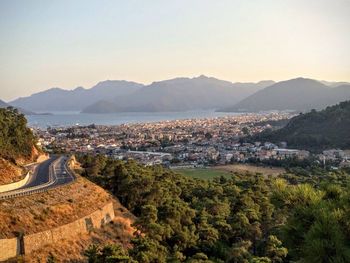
{"x": 66, "y": 43}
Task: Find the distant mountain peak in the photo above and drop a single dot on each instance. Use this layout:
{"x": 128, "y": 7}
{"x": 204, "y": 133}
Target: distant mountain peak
{"x": 202, "y": 77}
{"x": 270, "y": 82}
{"x": 120, "y": 83}
{"x": 79, "y": 88}
{"x": 54, "y": 89}
{"x": 301, "y": 78}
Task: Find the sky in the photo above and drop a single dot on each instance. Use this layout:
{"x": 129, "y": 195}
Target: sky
{"x": 64, "y": 43}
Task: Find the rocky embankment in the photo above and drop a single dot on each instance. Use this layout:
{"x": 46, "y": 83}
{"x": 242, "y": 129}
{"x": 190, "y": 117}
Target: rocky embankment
{"x": 15, "y": 170}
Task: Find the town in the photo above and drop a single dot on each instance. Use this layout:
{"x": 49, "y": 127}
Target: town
{"x": 183, "y": 143}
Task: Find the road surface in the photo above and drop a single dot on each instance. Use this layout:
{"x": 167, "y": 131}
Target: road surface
{"x": 47, "y": 175}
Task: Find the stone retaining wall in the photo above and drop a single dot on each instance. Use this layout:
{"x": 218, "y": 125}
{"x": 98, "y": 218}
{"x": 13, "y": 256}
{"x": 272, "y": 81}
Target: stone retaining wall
{"x": 10, "y": 248}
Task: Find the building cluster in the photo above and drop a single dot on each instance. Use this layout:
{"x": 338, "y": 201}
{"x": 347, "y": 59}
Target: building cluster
{"x": 190, "y": 142}
{"x": 336, "y": 155}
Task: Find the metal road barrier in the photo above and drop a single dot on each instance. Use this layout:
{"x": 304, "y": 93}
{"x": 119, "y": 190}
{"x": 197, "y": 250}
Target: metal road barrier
{"x": 51, "y": 184}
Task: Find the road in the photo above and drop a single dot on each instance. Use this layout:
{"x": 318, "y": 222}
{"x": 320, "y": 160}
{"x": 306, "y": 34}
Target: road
{"x": 47, "y": 175}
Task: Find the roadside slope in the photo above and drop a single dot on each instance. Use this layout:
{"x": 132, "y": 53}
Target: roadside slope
{"x": 61, "y": 206}
{"x": 17, "y": 146}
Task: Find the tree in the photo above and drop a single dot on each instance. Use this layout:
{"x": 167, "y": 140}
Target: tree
{"x": 109, "y": 253}
{"x": 245, "y": 130}
{"x": 243, "y": 219}
{"x": 16, "y": 139}
{"x": 51, "y": 258}
{"x": 274, "y": 249}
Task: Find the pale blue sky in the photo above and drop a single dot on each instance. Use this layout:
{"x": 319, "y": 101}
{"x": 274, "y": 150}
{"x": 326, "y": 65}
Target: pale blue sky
{"x": 69, "y": 43}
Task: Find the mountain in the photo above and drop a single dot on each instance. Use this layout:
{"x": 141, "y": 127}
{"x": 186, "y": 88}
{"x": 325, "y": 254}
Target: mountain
{"x": 334, "y": 84}
{"x": 296, "y": 94}
{"x": 316, "y": 130}
{"x": 180, "y": 94}
{"x": 57, "y": 99}
{"x": 26, "y": 112}
{"x": 3, "y": 104}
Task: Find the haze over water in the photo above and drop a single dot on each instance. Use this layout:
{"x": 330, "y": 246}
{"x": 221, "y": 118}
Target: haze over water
{"x": 64, "y": 119}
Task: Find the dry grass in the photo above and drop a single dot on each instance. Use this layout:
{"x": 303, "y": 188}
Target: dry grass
{"x": 119, "y": 231}
{"x": 35, "y": 154}
{"x": 9, "y": 172}
{"x": 39, "y": 212}
{"x": 243, "y": 168}
{"x": 14, "y": 172}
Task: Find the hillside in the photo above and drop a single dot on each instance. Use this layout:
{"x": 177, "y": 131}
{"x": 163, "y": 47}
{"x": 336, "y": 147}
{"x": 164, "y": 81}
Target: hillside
{"x": 17, "y": 145}
{"x": 16, "y": 139}
{"x": 297, "y": 94}
{"x": 316, "y": 130}
{"x": 9, "y": 172}
{"x": 57, "y": 99}
{"x": 179, "y": 94}
{"x": 242, "y": 218}
{"x": 60, "y": 206}
{"x": 58, "y": 211}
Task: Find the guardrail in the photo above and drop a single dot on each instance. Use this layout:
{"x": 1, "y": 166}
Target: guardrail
{"x": 40, "y": 188}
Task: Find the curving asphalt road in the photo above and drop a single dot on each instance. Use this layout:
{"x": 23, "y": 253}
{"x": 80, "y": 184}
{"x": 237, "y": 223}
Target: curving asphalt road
{"x": 47, "y": 175}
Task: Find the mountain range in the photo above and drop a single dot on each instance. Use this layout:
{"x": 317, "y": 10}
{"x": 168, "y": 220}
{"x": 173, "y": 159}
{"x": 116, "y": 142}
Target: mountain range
{"x": 186, "y": 94}
{"x": 179, "y": 94}
{"x": 57, "y": 99}
{"x": 299, "y": 94}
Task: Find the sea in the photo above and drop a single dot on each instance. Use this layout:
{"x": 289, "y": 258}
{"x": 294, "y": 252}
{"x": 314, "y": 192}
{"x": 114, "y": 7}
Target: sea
{"x": 71, "y": 118}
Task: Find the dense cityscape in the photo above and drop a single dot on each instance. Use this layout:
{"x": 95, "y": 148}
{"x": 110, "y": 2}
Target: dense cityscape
{"x": 183, "y": 143}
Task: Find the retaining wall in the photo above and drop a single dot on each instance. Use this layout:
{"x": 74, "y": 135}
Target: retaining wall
{"x": 10, "y": 248}
{"x": 12, "y": 186}
{"x": 16, "y": 185}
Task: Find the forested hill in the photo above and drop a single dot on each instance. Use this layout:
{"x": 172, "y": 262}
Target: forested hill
{"x": 16, "y": 139}
{"x": 244, "y": 219}
{"x": 316, "y": 130}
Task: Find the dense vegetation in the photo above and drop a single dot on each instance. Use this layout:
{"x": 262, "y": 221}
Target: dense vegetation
{"x": 16, "y": 139}
{"x": 243, "y": 219}
{"x": 203, "y": 173}
{"x": 316, "y": 130}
